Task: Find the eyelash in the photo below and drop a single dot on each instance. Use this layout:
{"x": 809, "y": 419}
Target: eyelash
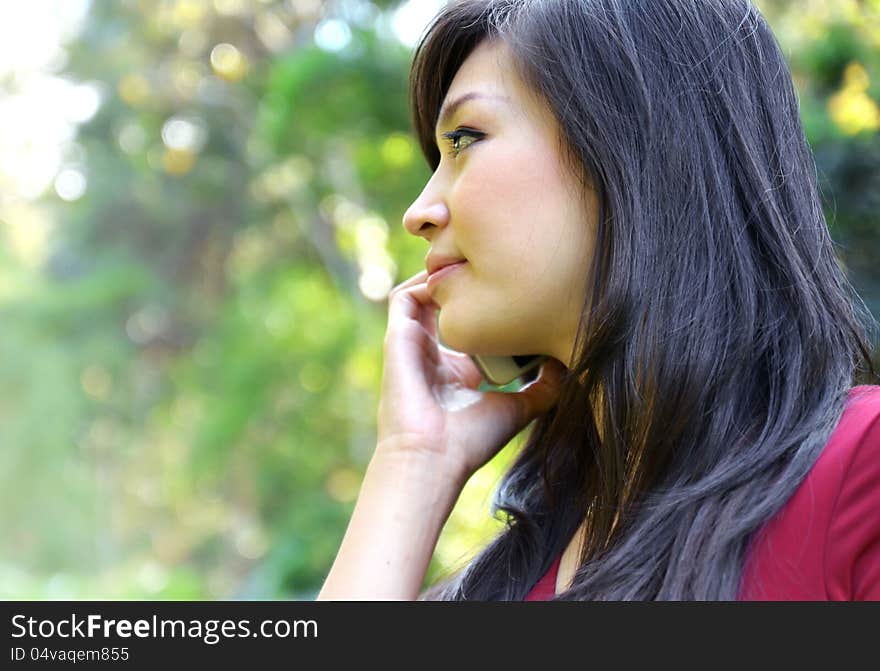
{"x": 455, "y": 135}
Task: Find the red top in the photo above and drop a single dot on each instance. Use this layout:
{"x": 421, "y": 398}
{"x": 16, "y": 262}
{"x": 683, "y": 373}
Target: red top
{"x": 824, "y": 544}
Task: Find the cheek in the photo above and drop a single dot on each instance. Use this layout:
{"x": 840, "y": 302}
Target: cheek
{"x": 511, "y": 175}
{"x": 502, "y": 198}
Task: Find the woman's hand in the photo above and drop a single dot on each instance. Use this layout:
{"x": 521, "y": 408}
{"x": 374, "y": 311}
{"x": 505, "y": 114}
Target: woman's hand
{"x": 429, "y": 400}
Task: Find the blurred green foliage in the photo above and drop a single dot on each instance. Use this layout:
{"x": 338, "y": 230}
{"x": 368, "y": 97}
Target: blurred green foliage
{"x": 190, "y": 360}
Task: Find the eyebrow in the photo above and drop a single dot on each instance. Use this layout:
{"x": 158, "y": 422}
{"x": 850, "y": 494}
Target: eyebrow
{"x": 450, "y": 108}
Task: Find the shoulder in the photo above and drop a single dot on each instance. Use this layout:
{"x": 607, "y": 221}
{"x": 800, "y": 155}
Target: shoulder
{"x": 825, "y": 542}
{"x": 853, "y": 538}
{"x": 853, "y": 448}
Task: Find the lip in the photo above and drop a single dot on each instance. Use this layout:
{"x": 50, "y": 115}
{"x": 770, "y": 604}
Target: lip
{"x": 435, "y": 261}
{"x": 440, "y": 274}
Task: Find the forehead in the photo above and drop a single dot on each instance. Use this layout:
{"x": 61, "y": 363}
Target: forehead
{"x": 486, "y": 75}
{"x": 486, "y": 71}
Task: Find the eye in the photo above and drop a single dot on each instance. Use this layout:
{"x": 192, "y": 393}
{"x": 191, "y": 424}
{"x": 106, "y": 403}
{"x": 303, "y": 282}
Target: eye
{"x": 454, "y": 136}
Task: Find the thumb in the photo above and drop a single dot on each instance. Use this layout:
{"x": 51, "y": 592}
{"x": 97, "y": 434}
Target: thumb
{"x": 512, "y": 411}
{"x": 541, "y": 394}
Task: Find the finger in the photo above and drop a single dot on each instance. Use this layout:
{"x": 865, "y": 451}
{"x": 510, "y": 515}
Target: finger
{"x": 403, "y": 306}
{"x": 408, "y": 351}
{"x": 407, "y": 309}
{"x": 462, "y": 369}
{"x": 428, "y": 315}
{"x": 430, "y": 351}
{"x": 418, "y": 278}
{"x": 414, "y": 303}
{"x": 408, "y": 345}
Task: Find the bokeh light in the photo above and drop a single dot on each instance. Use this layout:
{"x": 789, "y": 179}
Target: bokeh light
{"x": 228, "y": 62}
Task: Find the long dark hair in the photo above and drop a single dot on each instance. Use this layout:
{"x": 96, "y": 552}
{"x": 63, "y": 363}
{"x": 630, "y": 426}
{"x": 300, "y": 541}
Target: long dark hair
{"x": 719, "y": 337}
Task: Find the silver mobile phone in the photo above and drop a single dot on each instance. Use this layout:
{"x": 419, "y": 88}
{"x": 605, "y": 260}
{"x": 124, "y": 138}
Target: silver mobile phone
{"x": 501, "y": 370}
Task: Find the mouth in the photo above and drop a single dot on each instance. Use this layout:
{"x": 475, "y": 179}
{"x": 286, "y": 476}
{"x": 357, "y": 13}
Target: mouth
{"x": 435, "y": 262}
{"x": 441, "y": 273}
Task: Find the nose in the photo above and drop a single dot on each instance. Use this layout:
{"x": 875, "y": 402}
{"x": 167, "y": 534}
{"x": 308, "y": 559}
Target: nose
{"x": 425, "y": 216}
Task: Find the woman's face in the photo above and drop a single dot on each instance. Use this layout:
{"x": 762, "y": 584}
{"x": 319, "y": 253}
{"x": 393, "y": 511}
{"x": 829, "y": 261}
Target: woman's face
{"x": 507, "y": 206}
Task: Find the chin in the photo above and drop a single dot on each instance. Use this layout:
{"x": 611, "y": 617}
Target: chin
{"x": 461, "y": 336}
{"x": 451, "y": 336}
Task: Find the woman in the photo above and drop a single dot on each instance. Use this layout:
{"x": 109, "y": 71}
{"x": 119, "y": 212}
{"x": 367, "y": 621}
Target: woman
{"x": 628, "y": 190}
